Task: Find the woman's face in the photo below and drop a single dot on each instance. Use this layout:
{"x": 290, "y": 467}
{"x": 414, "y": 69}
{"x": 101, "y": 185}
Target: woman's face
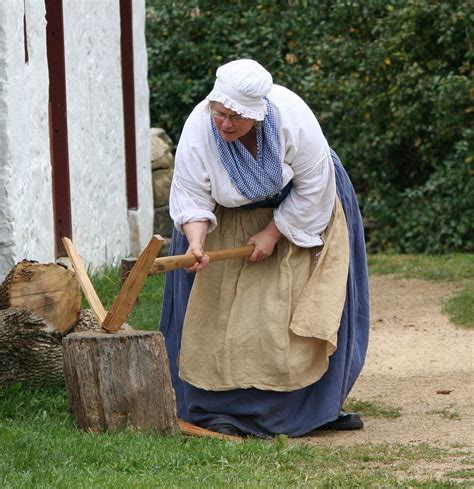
{"x": 231, "y": 126}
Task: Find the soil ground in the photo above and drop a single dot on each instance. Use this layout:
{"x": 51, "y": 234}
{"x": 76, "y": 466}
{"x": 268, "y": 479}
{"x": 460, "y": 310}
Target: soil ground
{"x": 417, "y": 361}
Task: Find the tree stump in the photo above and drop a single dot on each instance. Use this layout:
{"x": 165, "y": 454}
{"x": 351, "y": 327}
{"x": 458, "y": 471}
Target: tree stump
{"x": 119, "y": 380}
{"x": 48, "y": 290}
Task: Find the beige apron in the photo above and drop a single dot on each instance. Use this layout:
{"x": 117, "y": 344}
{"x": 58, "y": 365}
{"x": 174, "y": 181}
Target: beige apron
{"x": 272, "y": 324}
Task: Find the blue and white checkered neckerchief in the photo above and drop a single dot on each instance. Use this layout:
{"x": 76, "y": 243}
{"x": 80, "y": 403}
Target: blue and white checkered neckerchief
{"x": 256, "y": 178}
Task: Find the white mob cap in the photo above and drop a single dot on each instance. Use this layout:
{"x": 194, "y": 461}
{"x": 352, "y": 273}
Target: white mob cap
{"x": 240, "y": 86}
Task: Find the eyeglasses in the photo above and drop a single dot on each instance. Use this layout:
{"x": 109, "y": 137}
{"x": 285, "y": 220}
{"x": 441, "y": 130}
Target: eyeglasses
{"x": 221, "y": 116}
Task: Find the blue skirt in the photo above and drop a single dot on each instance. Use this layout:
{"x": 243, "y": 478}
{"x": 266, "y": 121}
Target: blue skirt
{"x": 263, "y": 413}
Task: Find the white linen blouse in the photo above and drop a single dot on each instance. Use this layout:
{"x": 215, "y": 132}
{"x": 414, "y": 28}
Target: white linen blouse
{"x": 200, "y": 181}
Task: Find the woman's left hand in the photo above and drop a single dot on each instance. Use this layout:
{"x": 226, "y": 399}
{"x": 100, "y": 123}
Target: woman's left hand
{"x": 265, "y": 242}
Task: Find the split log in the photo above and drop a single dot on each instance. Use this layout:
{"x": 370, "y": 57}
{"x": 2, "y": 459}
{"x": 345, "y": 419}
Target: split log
{"x": 48, "y": 290}
{"x": 119, "y": 380}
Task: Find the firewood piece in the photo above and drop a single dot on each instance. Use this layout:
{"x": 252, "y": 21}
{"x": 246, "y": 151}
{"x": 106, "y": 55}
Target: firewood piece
{"x": 48, "y": 290}
{"x": 127, "y": 295}
{"x": 88, "y": 322}
{"x": 119, "y": 380}
{"x": 84, "y": 281}
{"x": 29, "y": 353}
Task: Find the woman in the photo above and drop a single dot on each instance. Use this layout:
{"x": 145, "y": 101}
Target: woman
{"x": 271, "y": 344}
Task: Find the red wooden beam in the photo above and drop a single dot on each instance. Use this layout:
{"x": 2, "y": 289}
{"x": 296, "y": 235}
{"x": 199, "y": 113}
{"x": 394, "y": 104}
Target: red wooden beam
{"x": 58, "y": 133}
{"x": 128, "y": 93}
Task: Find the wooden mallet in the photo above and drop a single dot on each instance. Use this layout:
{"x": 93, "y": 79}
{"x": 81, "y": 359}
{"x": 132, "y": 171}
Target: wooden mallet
{"x": 93, "y": 396}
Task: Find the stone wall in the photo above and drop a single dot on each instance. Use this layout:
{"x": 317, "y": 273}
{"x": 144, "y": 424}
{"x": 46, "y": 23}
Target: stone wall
{"x": 162, "y": 163}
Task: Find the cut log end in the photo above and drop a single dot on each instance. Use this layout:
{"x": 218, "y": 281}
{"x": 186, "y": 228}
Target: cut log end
{"x": 48, "y": 290}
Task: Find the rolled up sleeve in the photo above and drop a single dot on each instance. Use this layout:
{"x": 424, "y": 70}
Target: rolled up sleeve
{"x": 190, "y": 204}
{"x": 190, "y": 195}
{"x": 307, "y": 210}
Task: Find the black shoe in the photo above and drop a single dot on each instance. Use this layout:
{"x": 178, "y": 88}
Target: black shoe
{"x": 226, "y": 429}
{"x": 345, "y": 421}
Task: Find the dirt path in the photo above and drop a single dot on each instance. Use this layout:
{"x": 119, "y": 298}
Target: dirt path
{"x": 418, "y": 362}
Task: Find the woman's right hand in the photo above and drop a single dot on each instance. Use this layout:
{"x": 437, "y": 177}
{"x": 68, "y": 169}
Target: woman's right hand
{"x": 196, "y": 233}
{"x": 202, "y": 259}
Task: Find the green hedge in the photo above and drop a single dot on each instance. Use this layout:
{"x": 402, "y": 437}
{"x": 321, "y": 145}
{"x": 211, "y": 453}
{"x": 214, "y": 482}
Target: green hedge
{"x": 388, "y": 80}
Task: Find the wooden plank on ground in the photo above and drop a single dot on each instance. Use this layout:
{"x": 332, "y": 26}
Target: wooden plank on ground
{"x": 193, "y": 430}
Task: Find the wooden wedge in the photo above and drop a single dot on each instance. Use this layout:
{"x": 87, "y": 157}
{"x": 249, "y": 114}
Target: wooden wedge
{"x": 132, "y": 286}
{"x": 84, "y": 281}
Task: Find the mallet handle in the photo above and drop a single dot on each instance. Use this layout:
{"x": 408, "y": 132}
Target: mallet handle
{"x": 168, "y": 263}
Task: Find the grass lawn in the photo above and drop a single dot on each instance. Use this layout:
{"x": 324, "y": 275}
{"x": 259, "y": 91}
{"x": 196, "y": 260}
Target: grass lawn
{"x": 41, "y": 447}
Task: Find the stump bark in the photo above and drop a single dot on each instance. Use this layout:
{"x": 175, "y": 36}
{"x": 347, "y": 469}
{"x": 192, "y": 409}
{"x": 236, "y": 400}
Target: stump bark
{"x": 48, "y": 290}
{"x": 119, "y": 380}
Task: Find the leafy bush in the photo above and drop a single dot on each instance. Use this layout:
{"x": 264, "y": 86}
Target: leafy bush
{"x": 388, "y": 81}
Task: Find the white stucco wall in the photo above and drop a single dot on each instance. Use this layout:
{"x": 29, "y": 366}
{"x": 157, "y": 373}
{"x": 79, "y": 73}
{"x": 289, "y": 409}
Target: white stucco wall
{"x": 102, "y": 228}
{"x": 141, "y": 220}
{"x": 104, "y": 231}
{"x": 26, "y": 217}
{"x": 95, "y": 129}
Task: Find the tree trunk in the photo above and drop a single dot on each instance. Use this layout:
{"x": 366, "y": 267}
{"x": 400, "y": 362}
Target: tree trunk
{"x": 29, "y": 352}
{"x": 119, "y": 380}
{"x": 49, "y": 291}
